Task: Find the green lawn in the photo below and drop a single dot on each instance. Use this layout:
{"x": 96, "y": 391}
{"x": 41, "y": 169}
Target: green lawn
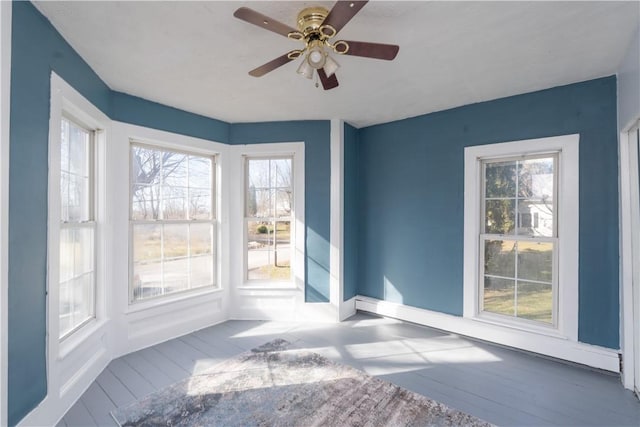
{"x": 534, "y": 303}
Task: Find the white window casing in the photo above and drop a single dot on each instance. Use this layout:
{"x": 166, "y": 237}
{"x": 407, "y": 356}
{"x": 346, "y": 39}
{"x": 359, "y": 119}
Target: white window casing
{"x": 566, "y": 209}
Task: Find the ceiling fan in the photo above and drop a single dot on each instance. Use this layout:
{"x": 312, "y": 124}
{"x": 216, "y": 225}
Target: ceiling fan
{"x": 316, "y": 27}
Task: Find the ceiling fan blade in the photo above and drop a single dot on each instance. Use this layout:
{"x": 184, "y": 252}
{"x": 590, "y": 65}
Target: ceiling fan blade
{"x": 327, "y": 82}
{"x": 372, "y": 50}
{"x": 263, "y": 21}
{"x": 342, "y": 12}
{"x": 270, "y": 66}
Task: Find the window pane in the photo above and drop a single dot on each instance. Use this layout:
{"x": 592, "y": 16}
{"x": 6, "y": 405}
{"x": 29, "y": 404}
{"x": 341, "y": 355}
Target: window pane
{"x": 535, "y": 301}
{"x": 202, "y": 262}
{"x": 200, "y": 204}
{"x": 260, "y": 250}
{"x": 500, "y": 216}
{"x": 174, "y": 204}
{"x": 535, "y": 179}
{"x": 145, "y": 203}
{"x": 146, "y": 165}
{"x": 75, "y": 171}
{"x": 259, "y": 173}
{"x": 199, "y": 172}
{"x": 147, "y": 242}
{"x": 76, "y": 286}
{"x": 78, "y": 150}
{"x": 262, "y": 201}
{"x": 500, "y": 179}
{"x": 177, "y": 188}
{"x": 284, "y": 202}
{"x": 535, "y": 261}
{"x": 281, "y": 173}
{"x": 76, "y": 302}
{"x": 147, "y": 279}
{"x": 175, "y": 241}
{"x": 499, "y": 296}
{"x": 174, "y": 169}
{"x": 500, "y": 258}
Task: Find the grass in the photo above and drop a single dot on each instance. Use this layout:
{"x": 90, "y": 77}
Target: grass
{"x": 275, "y": 272}
{"x": 533, "y": 304}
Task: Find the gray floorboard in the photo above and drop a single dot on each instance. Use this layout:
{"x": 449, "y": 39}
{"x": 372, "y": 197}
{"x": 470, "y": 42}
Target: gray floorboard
{"x": 503, "y": 386}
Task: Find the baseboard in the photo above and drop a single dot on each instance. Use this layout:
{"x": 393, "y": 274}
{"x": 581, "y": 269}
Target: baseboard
{"x": 347, "y": 308}
{"x": 560, "y": 348}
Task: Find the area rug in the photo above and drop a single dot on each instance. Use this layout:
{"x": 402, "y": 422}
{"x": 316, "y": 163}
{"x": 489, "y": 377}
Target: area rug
{"x": 274, "y": 385}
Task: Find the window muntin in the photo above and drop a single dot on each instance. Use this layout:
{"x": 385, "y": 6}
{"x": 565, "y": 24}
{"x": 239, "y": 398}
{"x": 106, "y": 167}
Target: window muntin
{"x": 77, "y": 276}
{"x": 268, "y": 216}
{"x": 173, "y": 216}
{"x": 518, "y": 240}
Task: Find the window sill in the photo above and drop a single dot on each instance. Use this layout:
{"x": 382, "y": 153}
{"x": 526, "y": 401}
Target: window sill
{"x": 496, "y": 320}
{"x": 135, "y": 307}
{"x": 73, "y": 341}
{"x": 268, "y": 286}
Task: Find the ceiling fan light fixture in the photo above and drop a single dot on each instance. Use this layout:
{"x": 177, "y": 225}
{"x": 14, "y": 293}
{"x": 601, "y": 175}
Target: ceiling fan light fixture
{"x": 330, "y": 66}
{"x": 316, "y": 55}
{"x": 305, "y": 69}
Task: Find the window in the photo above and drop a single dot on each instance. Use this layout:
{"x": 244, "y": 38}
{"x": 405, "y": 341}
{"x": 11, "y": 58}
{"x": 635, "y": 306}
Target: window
{"x": 77, "y": 275}
{"x": 268, "y": 218}
{"x": 173, "y": 233}
{"x": 518, "y": 255}
{"x": 521, "y": 230}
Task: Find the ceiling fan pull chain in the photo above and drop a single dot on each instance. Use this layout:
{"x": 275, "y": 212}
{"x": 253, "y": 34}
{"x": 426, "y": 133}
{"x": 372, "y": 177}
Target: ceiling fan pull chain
{"x": 317, "y": 85}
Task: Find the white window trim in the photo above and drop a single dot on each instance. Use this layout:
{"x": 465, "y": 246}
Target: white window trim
{"x": 568, "y": 230}
{"x": 629, "y": 244}
{"x": 124, "y": 135}
{"x": 5, "y": 89}
{"x": 296, "y": 150}
{"x": 65, "y": 99}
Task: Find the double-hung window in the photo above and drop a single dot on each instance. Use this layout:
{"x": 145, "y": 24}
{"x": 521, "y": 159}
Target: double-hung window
{"x": 269, "y": 204}
{"x": 173, "y": 221}
{"x": 77, "y": 273}
{"x": 519, "y": 238}
{"x": 521, "y": 231}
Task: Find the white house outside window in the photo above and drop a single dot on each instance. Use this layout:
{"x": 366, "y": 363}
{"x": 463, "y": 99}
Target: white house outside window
{"x": 173, "y": 233}
{"x": 521, "y": 234}
{"x": 518, "y": 243}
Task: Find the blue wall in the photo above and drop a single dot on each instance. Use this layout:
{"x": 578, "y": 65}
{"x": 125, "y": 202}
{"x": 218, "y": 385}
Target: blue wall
{"x": 411, "y": 181}
{"x": 139, "y": 111}
{"x": 317, "y": 170}
{"x": 37, "y": 48}
{"x": 351, "y": 218}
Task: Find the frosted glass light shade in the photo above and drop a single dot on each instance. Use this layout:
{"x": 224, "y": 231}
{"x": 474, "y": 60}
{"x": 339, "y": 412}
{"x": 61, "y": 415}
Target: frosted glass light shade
{"x": 330, "y": 66}
{"x": 316, "y": 57}
{"x": 305, "y": 69}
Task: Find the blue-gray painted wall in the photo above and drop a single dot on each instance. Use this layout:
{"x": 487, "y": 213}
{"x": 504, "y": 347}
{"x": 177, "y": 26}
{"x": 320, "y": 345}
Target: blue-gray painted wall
{"x": 351, "y": 217}
{"x": 141, "y": 112}
{"x": 37, "y": 48}
{"x": 411, "y": 184}
{"x": 317, "y": 183}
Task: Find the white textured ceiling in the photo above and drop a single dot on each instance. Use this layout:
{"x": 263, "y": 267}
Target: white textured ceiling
{"x": 196, "y": 55}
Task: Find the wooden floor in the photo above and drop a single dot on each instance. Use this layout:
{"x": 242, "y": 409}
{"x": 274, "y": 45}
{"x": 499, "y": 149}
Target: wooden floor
{"x": 499, "y": 385}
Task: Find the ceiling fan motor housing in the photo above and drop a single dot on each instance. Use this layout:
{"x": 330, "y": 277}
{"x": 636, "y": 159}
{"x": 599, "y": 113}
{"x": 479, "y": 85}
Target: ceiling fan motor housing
{"x": 310, "y": 19}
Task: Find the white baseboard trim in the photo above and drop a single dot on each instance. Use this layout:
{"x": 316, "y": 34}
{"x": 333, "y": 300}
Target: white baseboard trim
{"x": 347, "y": 308}
{"x": 585, "y": 354}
